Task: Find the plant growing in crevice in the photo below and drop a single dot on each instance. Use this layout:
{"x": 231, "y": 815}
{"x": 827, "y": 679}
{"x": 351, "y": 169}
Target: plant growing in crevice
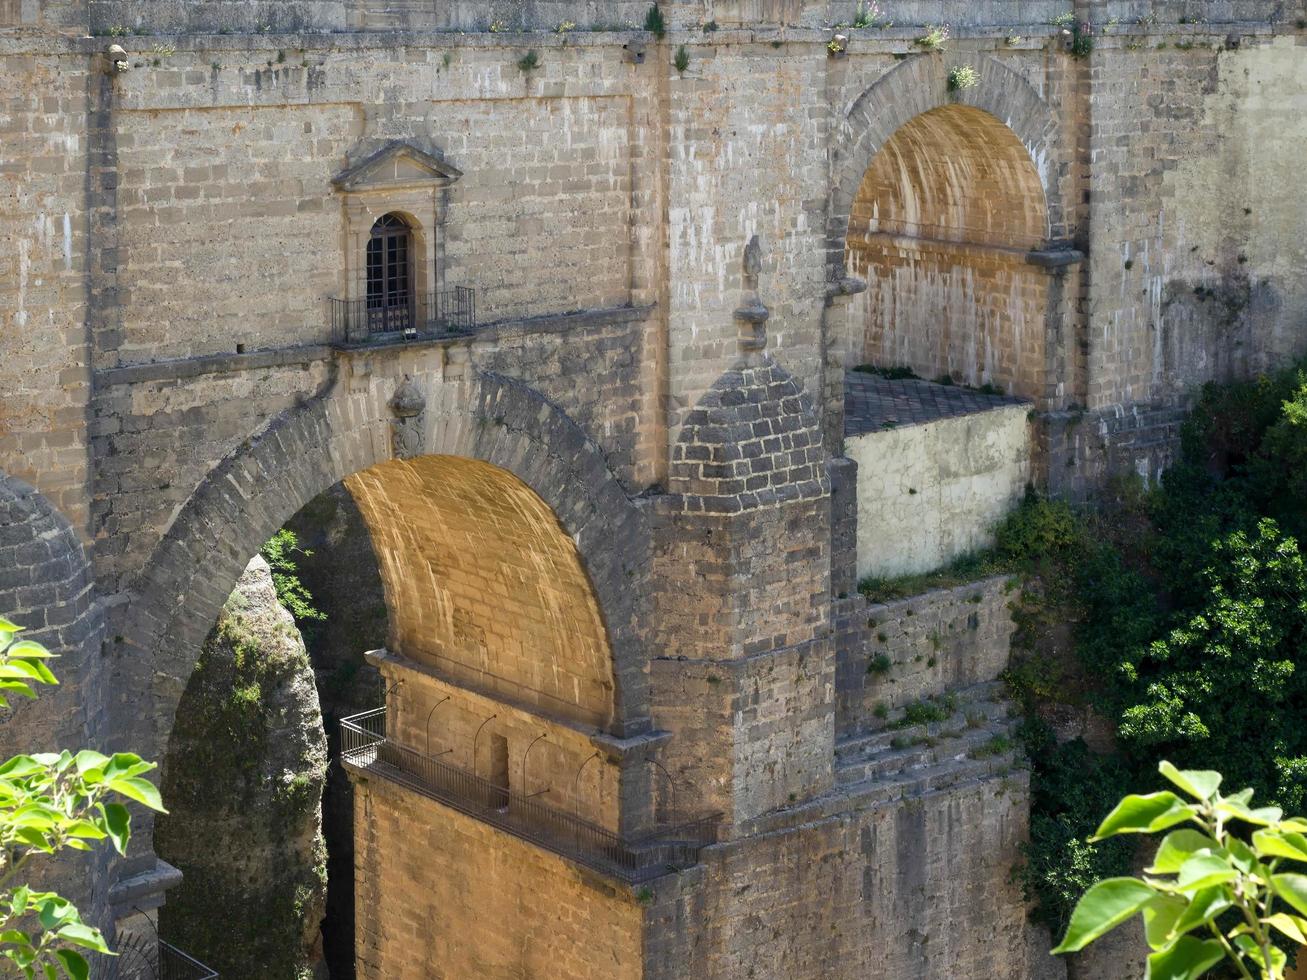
{"x": 869, "y": 14}
{"x": 279, "y": 552}
{"x": 682, "y": 59}
{"x": 962, "y": 77}
{"x": 654, "y": 22}
{"x": 529, "y": 62}
{"x": 935, "y": 38}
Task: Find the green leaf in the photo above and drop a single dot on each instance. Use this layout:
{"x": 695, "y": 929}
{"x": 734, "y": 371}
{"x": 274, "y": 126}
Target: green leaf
{"x": 1144, "y": 815}
{"x": 1290, "y": 925}
{"x": 1177, "y": 847}
{"x": 1248, "y": 946}
{"x": 1204, "y": 871}
{"x": 1199, "y": 783}
{"x": 83, "y": 935}
{"x": 1263, "y": 816}
{"x": 7, "y": 627}
{"x": 118, "y": 824}
{"x": 1187, "y": 959}
{"x": 29, "y": 650}
{"x": 1292, "y": 888}
{"x": 19, "y": 766}
{"x": 1274, "y": 843}
{"x": 1104, "y": 907}
{"x": 1160, "y": 917}
{"x": 73, "y": 963}
{"x": 141, "y": 790}
{"x": 1205, "y": 906}
{"x": 88, "y": 760}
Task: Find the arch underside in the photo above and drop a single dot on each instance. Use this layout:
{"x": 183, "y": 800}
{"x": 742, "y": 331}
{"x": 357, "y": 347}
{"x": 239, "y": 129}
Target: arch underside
{"x": 940, "y": 229}
{"x": 484, "y": 585}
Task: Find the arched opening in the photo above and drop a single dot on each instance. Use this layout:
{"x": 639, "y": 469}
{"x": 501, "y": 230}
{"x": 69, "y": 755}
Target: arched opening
{"x": 390, "y": 272}
{"x": 497, "y": 663}
{"x": 941, "y": 227}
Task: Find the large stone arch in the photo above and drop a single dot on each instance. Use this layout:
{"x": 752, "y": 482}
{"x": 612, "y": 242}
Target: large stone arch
{"x": 346, "y": 431}
{"x": 919, "y": 85}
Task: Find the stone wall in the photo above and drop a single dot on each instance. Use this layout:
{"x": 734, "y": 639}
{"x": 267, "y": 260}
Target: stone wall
{"x": 892, "y": 654}
{"x": 919, "y": 889}
{"x": 505, "y": 908}
{"x": 458, "y": 727}
{"x": 932, "y": 492}
{"x": 46, "y": 587}
{"x": 1196, "y": 254}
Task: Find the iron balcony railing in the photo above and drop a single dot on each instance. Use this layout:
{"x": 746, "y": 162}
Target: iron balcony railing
{"x": 365, "y": 749}
{"x": 140, "y": 958}
{"x": 369, "y": 321}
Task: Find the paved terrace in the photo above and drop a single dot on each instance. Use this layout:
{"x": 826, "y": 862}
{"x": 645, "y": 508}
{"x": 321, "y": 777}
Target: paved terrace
{"x": 873, "y": 403}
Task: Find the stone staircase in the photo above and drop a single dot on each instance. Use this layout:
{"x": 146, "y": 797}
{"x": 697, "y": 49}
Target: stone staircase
{"x": 947, "y": 741}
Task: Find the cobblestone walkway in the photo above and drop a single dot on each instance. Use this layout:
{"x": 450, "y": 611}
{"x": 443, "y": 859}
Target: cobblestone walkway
{"x": 873, "y": 403}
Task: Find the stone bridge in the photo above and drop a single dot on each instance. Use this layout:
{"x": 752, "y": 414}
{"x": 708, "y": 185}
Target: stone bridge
{"x": 568, "y": 306}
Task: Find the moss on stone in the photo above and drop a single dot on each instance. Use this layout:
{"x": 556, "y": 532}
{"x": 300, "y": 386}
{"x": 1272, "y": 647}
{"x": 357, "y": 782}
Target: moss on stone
{"x": 243, "y": 781}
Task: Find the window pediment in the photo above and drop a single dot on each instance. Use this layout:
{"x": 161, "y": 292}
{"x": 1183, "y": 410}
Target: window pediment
{"x": 396, "y": 165}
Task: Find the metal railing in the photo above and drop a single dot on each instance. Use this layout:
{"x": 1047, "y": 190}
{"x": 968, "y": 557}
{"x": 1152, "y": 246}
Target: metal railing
{"x": 148, "y": 958}
{"x": 367, "y": 321}
{"x": 365, "y": 749}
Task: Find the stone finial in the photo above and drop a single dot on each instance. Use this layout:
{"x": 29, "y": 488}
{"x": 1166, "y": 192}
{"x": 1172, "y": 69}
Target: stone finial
{"x": 408, "y": 434}
{"x": 409, "y": 400}
{"x": 118, "y": 61}
{"x": 752, "y": 312}
{"x": 753, "y": 260}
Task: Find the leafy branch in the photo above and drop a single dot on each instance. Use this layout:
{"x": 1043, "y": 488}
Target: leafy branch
{"x": 1211, "y": 894}
{"x": 50, "y": 802}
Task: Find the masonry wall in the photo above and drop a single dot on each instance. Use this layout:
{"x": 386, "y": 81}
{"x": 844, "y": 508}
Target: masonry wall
{"x": 968, "y": 312}
{"x": 892, "y": 654}
{"x": 485, "y": 586}
{"x": 441, "y": 896}
{"x": 43, "y": 257}
{"x": 920, "y": 889}
{"x": 454, "y": 725}
{"x": 930, "y": 493}
{"x": 1196, "y": 247}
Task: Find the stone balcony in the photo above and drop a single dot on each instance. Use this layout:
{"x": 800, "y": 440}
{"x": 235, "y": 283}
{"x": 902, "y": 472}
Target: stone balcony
{"x": 367, "y": 752}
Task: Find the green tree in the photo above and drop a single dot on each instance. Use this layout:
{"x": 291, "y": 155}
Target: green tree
{"x": 1223, "y": 887}
{"x": 51, "y": 802}
{"x": 279, "y": 552}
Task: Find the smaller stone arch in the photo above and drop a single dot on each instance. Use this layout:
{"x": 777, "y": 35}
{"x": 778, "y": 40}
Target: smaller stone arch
{"x": 917, "y": 86}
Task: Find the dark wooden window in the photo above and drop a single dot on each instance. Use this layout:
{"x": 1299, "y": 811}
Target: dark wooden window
{"x": 390, "y": 276}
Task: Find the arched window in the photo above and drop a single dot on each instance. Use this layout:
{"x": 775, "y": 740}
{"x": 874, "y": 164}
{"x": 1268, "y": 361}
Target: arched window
{"x": 390, "y": 299}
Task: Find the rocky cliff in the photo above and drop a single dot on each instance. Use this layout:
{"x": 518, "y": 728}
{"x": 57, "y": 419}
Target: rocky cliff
{"x": 243, "y": 783}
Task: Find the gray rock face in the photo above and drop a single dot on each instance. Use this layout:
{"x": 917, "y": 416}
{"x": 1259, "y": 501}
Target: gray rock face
{"x": 243, "y": 784}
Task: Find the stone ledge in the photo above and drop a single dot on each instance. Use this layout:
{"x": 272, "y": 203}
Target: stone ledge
{"x": 604, "y": 741}
{"x": 191, "y": 367}
{"x": 145, "y": 888}
{"x": 226, "y": 363}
